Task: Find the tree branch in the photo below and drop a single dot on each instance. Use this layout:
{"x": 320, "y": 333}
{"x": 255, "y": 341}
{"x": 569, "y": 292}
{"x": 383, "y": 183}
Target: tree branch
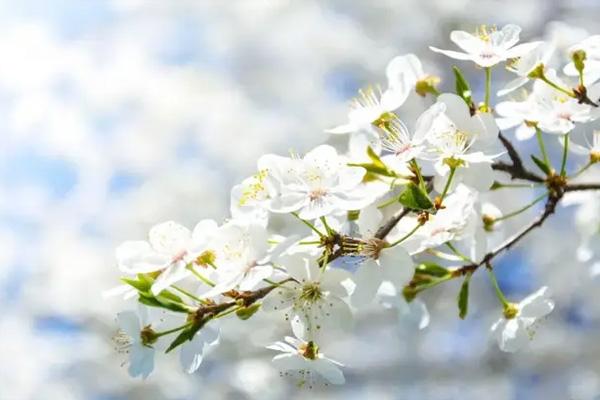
{"x": 549, "y": 209}
{"x": 386, "y": 228}
{"x": 581, "y": 186}
{"x": 517, "y": 169}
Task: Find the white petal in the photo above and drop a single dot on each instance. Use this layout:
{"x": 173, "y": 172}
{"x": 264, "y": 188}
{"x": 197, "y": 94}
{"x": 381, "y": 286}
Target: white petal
{"x": 466, "y": 41}
{"x": 513, "y": 85}
{"x": 296, "y": 266}
{"x": 129, "y": 322}
{"x": 524, "y": 132}
{"x": 397, "y": 266}
{"x": 280, "y": 298}
{"x": 255, "y": 276}
{"x": 328, "y": 370}
{"x": 537, "y": 304}
{"x": 521, "y": 49}
{"x": 368, "y": 278}
{"x": 394, "y": 97}
{"x": 509, "y": 36}
{"x": 137, "y": 257}
{"x": 288, "y": 202}
{"x": 169, "y": 276}
{"x": 343, "y": 129}
{"x": 513, "y": 335}
{"x": 425, "y": 122}
{"x": 404, "y": 71}
{"x": 169, "y": 237}
{"x": 452, "y": 54}
{"x": 204, "y": 230}
{"x": 141, "y": 360}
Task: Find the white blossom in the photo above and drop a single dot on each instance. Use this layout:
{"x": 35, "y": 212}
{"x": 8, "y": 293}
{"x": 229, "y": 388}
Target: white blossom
{"x": 129, "y": 341}
{"x": 515, "y": 328}
{"x": 318, "y": 184}
{"x": 313, "y": 300}
{"x": 306, "y": 358}
{"x": 488, "y": 46}
{"x": 169, "y": 249}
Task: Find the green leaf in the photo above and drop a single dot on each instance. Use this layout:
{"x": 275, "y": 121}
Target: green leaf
{"x": 187, "y": 334}
{"x": 245, "y": 313}
{"x": 149, "y": 301}
{"x": 432, "y": 269}
{"x": 376, "y": 166}
{"x": 463, "y": 297}
{"x": 462, "y": 87}
{"x": 415, "y": 198}
{"x": 541, "y": 165}
{"x": 136, "y": 284}
{"x": 184, "y": 336}
{"x": 161, "y": 301}
{"x": 496, "y": 185}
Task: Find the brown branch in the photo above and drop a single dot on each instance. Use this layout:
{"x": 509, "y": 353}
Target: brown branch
{"x": 516, "y": 169}
{"x": 549, "y": 209}
{"x": 386, "y": 228}
{"x": 574, "y": 187}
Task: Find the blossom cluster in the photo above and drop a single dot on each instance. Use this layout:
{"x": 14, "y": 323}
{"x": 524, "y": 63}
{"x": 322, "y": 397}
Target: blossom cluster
{"x": 313, "y": 238}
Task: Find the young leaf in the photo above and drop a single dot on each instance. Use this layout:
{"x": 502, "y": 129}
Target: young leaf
{"x": 541, "y": 165}
{"x": 137, "y": 284}
{"x": 462, "y": 87}
{"x": 432, "y": 269}
{"x": 187, "y": 334}
{"x": 463, "y": 297}
{"x": 245, "y": 313}
{"x": 415, "y": 198}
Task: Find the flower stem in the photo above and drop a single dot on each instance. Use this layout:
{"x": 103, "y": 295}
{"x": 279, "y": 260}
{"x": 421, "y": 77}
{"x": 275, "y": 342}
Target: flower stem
{"x": 540, "y": 139}
{"x": 200, "y": 276}
{"x": 167, "y": 332}
{"x": 448, "y": 182}
{"x": 458, "y": 253}
{"x": 565, "y": 155}
{"x": 188, "y": 294}
{"x": 326, "y": 225}
{"x": 488, "y": 87}
{"x": 555, "y": 86}
{"x": 582, "y": 170}
{"x": 523, "y": 209}
{"x": 311, "y": 226}
{"x": 403, "y": 238}
{"x": 499, "y": 294}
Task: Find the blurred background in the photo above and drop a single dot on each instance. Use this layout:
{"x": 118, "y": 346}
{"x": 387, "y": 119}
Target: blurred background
{"x": 117, "y": 115}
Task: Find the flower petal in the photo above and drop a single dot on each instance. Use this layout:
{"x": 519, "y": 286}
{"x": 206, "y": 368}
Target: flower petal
{"x": 537, "y": 304}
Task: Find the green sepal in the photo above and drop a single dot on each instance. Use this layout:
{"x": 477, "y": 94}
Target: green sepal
{"x": 415, "y": 198}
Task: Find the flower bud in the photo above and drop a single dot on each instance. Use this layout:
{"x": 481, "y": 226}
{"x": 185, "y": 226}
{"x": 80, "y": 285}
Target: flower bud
{"x": 427, "y": 85}
{"x": 578, "y": 58}
{"x": 537, "y": 72}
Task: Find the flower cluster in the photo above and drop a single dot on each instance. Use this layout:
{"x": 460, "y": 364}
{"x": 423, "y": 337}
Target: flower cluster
{"x": 314, "y": 238}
